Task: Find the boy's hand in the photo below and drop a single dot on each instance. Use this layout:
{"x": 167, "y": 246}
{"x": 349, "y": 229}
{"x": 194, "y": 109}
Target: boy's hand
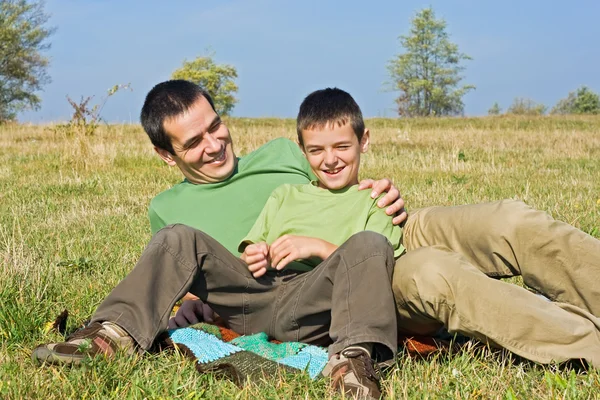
{"x": 256, "y": 255}
{"x": 393, "y": 199}
{"x": 191, "y": 312}
{"x": 288, "y": 248}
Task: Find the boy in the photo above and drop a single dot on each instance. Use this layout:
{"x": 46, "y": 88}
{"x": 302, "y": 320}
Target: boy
{"x": 298, "y": 227}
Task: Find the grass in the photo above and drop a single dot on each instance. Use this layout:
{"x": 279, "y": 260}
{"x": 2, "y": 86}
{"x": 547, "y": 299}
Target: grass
{"x": 73, "y": 222}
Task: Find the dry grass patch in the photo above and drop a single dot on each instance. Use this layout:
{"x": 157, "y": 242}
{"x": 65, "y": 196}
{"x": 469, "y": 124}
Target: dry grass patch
{"x": 73, "y": 222}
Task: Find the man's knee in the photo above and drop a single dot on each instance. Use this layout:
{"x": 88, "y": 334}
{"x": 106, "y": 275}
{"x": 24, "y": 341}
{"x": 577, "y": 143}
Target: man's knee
{"x": 511, "y": 213}
{"x": 515, "y": 220}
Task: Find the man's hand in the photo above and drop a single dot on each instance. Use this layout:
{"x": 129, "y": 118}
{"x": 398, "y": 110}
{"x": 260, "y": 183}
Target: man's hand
{"x": 288, "y": 248}
{"x": 256, "y": 255}
{"x": 191, "y": 312}
{"x": 391, "y": 199}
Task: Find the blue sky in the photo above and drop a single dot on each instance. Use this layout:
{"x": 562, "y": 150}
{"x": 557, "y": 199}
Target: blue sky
{"x": 285, "y": 49}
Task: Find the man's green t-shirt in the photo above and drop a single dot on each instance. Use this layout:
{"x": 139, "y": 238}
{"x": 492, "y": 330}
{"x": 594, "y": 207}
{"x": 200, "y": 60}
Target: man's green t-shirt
{"x": 333, "y": 216}
{"x": 227, "y": 210}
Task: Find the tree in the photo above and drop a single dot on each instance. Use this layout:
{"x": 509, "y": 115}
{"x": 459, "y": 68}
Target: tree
{"x": 522, "y": 106}
{"x": 216, "y": 79}
{"x": 22, "y": 65}
{"x": 429, "y": 72}
{"x": 495, "y": 109}
{"x": 582, "y": 101}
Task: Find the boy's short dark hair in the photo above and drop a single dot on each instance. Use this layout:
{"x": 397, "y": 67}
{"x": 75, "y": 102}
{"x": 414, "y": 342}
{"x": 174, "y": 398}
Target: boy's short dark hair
{"x": 168, "y": 100}
{"x": 328, "y": 107}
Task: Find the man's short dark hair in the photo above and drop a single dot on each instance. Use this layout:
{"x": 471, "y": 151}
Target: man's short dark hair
{"x": 168, "y": 100}
{"x": 328, "y": 107}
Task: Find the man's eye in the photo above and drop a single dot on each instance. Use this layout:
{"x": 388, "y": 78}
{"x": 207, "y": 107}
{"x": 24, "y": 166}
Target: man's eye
{"x": 215, "y": 127}
{"x": 314, "y": 151}
{"x": 343, "y": 147}
{"x": 193, "y": 144}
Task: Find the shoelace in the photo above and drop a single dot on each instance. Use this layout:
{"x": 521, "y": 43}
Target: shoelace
{"x": 81, "y": 333}
{"x": 369, "y": 368}
{"x": 367, "y": 365}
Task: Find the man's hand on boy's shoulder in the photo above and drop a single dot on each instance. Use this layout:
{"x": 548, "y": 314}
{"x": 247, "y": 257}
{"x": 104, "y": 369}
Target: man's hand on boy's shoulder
{"x": 392, "y": 199}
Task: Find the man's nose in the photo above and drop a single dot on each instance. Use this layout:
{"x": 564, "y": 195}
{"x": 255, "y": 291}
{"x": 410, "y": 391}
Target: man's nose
{"x": 213, "y": 145}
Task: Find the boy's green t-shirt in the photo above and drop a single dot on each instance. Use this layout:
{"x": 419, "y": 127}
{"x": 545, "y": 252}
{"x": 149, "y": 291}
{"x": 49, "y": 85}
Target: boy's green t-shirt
{"x": 227, "y": 210}
{"x": 333, "y": 216}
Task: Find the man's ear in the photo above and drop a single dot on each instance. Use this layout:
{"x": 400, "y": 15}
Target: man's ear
{"x": 166, "y": 156}
{"x": 364, "y": 142}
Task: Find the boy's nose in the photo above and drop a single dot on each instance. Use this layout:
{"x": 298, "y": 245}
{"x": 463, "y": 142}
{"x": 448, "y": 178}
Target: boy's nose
{"x": 330, "y": 159}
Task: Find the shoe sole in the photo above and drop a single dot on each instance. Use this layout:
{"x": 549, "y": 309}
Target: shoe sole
{"x": 43, "y": 355}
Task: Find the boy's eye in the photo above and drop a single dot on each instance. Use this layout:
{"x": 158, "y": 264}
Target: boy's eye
{"x": 343, "y": 147}
{"x": 314, "y": 151}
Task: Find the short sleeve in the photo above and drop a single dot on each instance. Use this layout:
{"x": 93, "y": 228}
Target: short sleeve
{"x": 259, "y": 231}
{"x": 380, "y": 222}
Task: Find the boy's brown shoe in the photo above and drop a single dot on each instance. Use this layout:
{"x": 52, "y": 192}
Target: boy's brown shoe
{"x": 353, "y": 372}
{"x": 95, "y": 339}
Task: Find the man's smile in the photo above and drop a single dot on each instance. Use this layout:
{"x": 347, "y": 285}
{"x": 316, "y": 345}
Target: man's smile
{"x": 220, "y": 158}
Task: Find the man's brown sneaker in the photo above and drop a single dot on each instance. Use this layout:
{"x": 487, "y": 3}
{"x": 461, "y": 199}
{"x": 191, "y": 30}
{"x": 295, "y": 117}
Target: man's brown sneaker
{"x": 353, "y": 372}
{"x": 95, "y": 339}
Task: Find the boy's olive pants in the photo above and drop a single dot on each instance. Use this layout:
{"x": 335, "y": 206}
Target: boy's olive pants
{"x": 448, "y": 278}
{"x": 345, "y": 300}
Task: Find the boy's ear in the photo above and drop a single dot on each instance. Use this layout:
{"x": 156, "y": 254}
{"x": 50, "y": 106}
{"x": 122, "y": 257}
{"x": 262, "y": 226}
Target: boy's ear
{"x": 166, "y": 156}
{"x": 364, "y": 142}
{"x": 301, "y": 148}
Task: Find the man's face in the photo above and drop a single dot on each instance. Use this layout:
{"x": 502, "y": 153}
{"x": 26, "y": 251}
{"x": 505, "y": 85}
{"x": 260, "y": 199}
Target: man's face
{"x": 333, "y": 153}
{"x": 202, "y": 144}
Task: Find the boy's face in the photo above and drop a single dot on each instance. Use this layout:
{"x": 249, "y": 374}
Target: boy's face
{"x": 202, "y": 145}
{"x": 333, "y": 153}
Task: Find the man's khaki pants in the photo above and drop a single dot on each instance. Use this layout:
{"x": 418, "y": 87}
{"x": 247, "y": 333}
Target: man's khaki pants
{"x": 449, "y": 277}
{"x": 345, "y": 300}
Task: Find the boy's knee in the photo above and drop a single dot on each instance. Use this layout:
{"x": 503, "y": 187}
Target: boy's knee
{"x": 367, "y": 243}
{"x": 173, "y": 231}
{"x": 179, "y": 235}
{"x": 368, "y": 240}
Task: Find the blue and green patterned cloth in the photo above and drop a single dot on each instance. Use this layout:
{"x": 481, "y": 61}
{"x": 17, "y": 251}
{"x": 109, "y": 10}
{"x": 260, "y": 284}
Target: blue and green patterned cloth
{"x": 204, "y": 343}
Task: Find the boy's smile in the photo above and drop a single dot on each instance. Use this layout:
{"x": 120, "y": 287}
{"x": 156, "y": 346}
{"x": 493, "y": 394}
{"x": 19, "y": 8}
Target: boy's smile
{"x": 333, "y": 153}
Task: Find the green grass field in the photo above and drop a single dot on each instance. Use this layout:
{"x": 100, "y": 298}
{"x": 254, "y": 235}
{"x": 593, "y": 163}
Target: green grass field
{"x": 73, "y": 222}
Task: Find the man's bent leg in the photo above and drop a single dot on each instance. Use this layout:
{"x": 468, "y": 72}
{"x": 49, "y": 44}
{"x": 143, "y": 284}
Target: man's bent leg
{"x": 178, "y": 259}
{"x": 435, "y": 286}
{"x": 347, "y": 299}
{"x": 509, "y": 238}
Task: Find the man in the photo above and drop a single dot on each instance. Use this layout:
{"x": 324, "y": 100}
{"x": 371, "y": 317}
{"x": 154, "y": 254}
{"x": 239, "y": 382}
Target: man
{"x": 444, "y": 280}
